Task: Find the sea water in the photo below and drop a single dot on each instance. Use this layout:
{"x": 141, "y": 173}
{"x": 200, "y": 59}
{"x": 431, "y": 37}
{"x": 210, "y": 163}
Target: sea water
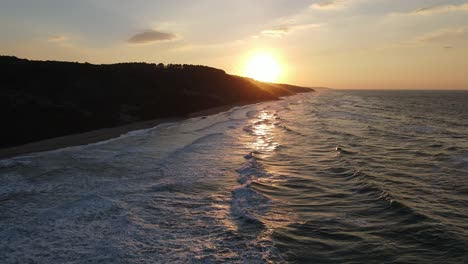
{"x": 325, "y": 177}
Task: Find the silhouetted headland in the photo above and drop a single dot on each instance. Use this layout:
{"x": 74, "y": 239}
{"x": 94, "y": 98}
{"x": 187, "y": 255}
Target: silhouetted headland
{"x": 48, "y": 99}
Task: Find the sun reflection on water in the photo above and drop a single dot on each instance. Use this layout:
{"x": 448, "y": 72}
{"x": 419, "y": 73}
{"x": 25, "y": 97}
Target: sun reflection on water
{"x": 264, "y": 135}
{"x": 263, "y": 129}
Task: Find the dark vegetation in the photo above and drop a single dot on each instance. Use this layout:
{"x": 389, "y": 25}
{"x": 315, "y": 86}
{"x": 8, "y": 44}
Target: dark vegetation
{"x": 46, "y": 99}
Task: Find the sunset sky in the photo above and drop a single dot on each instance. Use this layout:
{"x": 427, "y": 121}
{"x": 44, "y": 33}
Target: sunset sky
{"x": 341, "y": 44}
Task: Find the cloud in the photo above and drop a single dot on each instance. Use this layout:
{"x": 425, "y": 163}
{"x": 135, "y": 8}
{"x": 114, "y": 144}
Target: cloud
{"x": 440, "y": 37}
{"x": 284, "y": 30}
{"x": 151, "y": 36}
{"x": 442, "y": 34}
{"x": 324, "y": 5}
{"x": 440, "y": 9}
{"x": 277, "y": 32}
{"x": 329, "y": 4}
{"x": 57, "y": 38}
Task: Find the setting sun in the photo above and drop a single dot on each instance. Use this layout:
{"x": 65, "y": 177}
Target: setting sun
{"x": 263, "y": 67}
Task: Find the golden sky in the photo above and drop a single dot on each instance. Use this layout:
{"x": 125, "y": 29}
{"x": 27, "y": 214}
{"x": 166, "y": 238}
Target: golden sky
{"x": 361, "y": 44}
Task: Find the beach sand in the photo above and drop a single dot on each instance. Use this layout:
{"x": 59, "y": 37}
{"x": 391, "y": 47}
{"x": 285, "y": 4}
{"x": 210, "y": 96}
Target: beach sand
{"x": 103, "y": 134}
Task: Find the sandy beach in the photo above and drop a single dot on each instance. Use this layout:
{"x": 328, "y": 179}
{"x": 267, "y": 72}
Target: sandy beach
{"x": 103, "y": 134}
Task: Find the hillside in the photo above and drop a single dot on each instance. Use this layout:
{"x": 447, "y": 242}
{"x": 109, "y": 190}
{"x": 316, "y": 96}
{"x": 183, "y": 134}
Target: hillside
{"x": 46, "y": 99}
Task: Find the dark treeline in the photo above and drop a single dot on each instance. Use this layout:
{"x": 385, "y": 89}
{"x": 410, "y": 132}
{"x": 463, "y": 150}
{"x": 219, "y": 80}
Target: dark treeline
{"x": 46, "y": 99}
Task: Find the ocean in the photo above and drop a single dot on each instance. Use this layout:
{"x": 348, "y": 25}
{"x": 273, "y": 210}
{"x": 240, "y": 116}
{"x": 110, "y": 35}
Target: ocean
{"x": 328, "y": 177}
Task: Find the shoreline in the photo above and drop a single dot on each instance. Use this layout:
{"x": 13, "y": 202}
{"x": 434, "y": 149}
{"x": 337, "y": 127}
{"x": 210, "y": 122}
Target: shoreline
{"x": 103, "y": 134}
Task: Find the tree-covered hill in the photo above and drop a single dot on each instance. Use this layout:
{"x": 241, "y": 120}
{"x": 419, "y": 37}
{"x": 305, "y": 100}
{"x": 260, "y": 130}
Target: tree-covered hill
{"x": 45, "y": 99}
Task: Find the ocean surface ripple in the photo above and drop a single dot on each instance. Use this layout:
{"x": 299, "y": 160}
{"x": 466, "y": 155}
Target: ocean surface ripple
{"x": 326, "y": 177}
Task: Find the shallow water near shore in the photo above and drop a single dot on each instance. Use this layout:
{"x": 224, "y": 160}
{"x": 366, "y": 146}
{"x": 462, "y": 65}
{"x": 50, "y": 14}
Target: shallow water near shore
{"x": 327, "y": 177}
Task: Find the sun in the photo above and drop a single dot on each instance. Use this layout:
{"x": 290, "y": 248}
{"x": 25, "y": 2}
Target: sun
{"x": 263, "y": 67}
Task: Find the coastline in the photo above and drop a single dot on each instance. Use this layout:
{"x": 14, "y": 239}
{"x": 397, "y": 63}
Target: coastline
{"x": 99, "y": 135}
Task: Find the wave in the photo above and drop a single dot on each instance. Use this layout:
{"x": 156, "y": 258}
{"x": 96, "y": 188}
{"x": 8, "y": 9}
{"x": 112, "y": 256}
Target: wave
{"x": 251, "y": 203}
{"x": 317, "y": 180}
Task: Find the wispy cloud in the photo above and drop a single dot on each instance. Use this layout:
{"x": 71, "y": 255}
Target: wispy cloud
{"x": 57, "y": 38}
{"x": 329, "y": 4}
{"x": 286, "y": 29}
{"x": 440, "y": 9}
{"x": 151, "y": 36}
{"x": 441, "y": 36}
{"x": 276, "y": 32}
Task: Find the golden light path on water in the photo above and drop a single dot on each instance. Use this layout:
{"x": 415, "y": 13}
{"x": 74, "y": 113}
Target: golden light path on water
{"x": 266, "y": 135}
{"x": 262, "y": 144}
{"x": 264, "y": 130}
